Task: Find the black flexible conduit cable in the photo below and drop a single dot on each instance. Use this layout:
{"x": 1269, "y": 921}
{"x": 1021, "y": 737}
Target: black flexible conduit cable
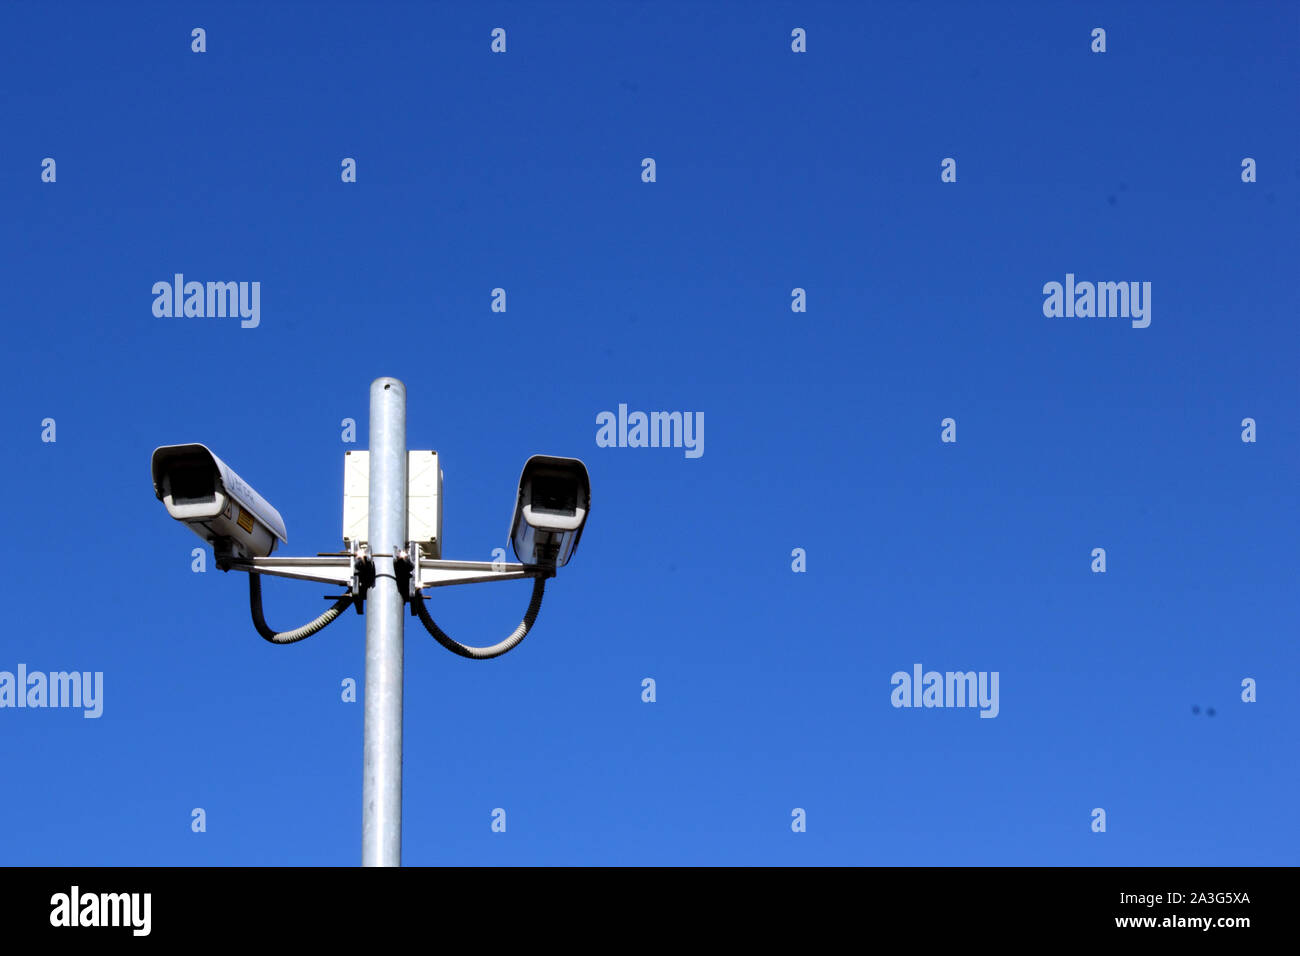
{"x": 298, "y": 633}
{"x": 482, "y": 653}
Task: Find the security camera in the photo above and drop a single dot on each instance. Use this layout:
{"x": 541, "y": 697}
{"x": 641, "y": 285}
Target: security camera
{"x": 554, "y": 498}
{"x": 201, "y": 490}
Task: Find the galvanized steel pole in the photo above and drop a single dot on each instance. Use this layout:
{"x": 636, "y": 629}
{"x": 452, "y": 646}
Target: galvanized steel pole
{"x": 381, "y": 818}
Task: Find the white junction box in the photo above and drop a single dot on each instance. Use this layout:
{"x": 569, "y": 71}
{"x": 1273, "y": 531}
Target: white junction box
{"x": 423, "y": 499}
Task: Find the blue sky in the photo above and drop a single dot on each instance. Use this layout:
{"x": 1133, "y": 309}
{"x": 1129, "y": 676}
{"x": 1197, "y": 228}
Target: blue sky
{"x": 774, "y": 170}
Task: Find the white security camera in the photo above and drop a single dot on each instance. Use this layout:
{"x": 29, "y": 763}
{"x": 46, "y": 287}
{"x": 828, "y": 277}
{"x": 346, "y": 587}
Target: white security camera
{"x": 554, "y": 498}
{"x": 201, "y": 490}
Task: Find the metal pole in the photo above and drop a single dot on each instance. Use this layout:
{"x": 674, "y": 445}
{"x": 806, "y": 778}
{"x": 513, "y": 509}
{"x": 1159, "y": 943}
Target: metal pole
{"x": 381, "y": 817}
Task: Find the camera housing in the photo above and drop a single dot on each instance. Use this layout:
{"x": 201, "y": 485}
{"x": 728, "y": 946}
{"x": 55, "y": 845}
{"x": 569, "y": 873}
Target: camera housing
{"x": 550, "y": 510}
{"x": 203, "y": 492}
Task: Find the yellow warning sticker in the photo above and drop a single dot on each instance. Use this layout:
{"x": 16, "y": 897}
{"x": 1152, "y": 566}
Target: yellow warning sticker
{"x": 245, "y": 521}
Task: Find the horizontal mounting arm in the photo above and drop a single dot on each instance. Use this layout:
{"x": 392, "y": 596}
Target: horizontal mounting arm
{"x": 328, "y": 570}
{"x": 436, "y": 573}
{"x": 433, "y": 573}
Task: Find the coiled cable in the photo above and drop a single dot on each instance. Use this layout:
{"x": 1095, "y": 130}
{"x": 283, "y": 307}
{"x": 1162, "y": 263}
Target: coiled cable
{"x": 298, "y": 633}
{"x": 482, "y": 653}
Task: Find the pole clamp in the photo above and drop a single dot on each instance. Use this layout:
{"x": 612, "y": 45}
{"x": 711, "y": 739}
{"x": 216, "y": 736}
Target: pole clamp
{"x": 363, "y": 575}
